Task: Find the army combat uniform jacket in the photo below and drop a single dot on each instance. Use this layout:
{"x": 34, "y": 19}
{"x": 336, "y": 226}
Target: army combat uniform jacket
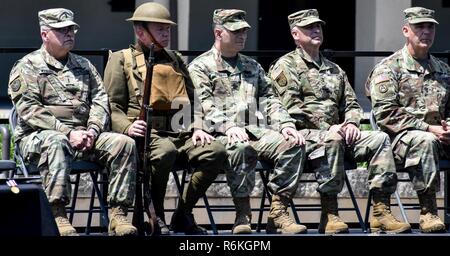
{"x": 52, "y": 99}
{"x": 406, "y": 98}
{"x": 319, "y": 96}
{"x": 232, "y": 97}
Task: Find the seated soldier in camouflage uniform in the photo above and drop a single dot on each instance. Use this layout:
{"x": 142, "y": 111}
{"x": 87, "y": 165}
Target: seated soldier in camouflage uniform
{"x": 63, "y": 112}
{"x": 410, "y": 99}
{"x": 317, "y": 94}
{"x": 230, "y": 86}
{"x": 124, "y": 82}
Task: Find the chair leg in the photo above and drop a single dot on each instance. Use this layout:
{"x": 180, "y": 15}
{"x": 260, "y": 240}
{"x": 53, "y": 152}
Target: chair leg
{"x": 74, "y": 198}
{"x": 294, "y": 211}
{"x": 261, "y": 210}
{"x": 369, "y": 205}
{"x": 401, "y": 207}
{"x": 355, "y": 203}
{"x": 210, "y": 215}
{"x": 91, "y": 208}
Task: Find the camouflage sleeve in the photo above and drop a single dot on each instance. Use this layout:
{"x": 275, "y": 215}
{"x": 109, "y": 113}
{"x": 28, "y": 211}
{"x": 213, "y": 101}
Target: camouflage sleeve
{"x": 391, "y": 116}
{"x": 203, "y": 87}
{"x": 117, "y": 90}
{"x": 196, "y": 108}
{"x": 99, "y": 114}
{"x": 349, "y": 106}
{"x": 26, "y": 95}
{"x": 275, "y": 110}
{"x": 287, "y": 86}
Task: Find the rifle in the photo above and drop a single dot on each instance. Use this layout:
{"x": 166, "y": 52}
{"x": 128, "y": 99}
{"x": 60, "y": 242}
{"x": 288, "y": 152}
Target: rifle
{"x": 143, "y": 200}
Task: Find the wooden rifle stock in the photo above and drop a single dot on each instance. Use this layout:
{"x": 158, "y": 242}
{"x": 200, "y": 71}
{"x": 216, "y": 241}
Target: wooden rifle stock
{"x": 143, "y": 202}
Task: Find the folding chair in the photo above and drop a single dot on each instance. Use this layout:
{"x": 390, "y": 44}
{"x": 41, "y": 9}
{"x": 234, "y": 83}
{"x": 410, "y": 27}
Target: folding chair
{"x": 78, "y": 167}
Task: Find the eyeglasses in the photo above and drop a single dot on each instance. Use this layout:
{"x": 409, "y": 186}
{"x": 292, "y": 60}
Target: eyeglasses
{"x": 66, "y": 30}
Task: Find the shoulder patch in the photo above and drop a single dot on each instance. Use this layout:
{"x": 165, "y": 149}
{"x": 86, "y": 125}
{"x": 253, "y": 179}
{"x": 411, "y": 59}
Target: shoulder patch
{"x": 380, "y": 78}
{"x": 281, "y": 79}
{"x": 382, "y": 88}
{"x": 15, "y": 85}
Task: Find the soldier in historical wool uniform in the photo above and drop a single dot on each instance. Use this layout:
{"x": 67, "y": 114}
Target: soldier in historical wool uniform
{"x": 62, "y": 116}
{"x": 410, "y": 100}
{"x": 172, "y": 93}
{"x": 318, "y": 96}
{"x": 232, "y": 88}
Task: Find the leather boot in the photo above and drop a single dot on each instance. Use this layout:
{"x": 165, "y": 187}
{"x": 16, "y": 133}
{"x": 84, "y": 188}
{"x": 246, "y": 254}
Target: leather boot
{"x": 63, "y": 223}
{"x": 330, "y": 222}
{"x": 279, "y": 221}
{"x": 242, "y": 223}
{"x": 429, "y": 221}
{"x": 119, "y": 224}
{"x": 382, "y": 218}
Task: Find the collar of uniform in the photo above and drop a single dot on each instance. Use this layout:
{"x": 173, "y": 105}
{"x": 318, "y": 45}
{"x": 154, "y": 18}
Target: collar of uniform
{"x": 411, "y": 64}
{"x": 50, "y": 60}
{"x": 325, "y": 65}
{"x": 223, "y": 66}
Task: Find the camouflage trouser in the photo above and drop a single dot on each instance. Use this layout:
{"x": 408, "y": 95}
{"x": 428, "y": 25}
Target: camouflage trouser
{"x": 271, "y": 147}
{"x": 207, "y": 162}
{"x": 418, "y": 152}
{"x": 326, "y": 151}
{"x": 51, "y": 152}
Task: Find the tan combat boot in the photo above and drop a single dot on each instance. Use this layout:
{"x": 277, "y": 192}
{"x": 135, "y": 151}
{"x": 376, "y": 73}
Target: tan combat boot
{"x": 279, "y": 221}
{"x": 63, "y": 223}
{"x": 429, "y": 220}
{"x": 242, "y": 223}
{"x": 382, "y": 219}
{"x": 119, "y": 224}
{"x": 330, "y": 222}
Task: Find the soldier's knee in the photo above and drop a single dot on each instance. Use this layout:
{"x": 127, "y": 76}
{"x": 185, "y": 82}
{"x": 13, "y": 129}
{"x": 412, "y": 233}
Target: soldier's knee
{"x": 58, "y": 138}
{"x": 380, "y": 137}
{"x": 218, "y": 151}
{"x": 245, "y": 149}
{"x": 334, "y": 139}
{"x": 425, "y": 140}
{"x": 124, "y": 142}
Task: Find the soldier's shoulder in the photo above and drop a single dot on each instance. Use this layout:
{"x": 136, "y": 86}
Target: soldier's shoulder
{"x": 249, "y": 63}
{"x": 203, "y": 60}
{"x": 118, "y": 54}
{"x": 285, "y": 60}
{"x": 441, "y": 66}
{"x": 28, "y": 61}
{"x": 391, "y": 61}
{"x": 82, "y": 62}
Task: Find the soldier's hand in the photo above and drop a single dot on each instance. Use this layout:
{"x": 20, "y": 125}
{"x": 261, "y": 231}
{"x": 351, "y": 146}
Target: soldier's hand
{"x": 337, "y": 128}
{"x": 90, "y": 140}
{"x": 291, "y": 132}
{"x": 78, "y": 139}
{"x": 202, "y": 136}
{"x": 442, "y": 134}
{"x": 137, "y": 129}
{"x": 352, "y": 133}
{"x": 236, "y": 134}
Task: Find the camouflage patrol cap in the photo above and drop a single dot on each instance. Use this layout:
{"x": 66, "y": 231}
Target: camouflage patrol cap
{"x": 304, "y": 18}
{"x": 416, "y": 15}
{"x": 56, "y": 18}
{"x": 231, "y": 19}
